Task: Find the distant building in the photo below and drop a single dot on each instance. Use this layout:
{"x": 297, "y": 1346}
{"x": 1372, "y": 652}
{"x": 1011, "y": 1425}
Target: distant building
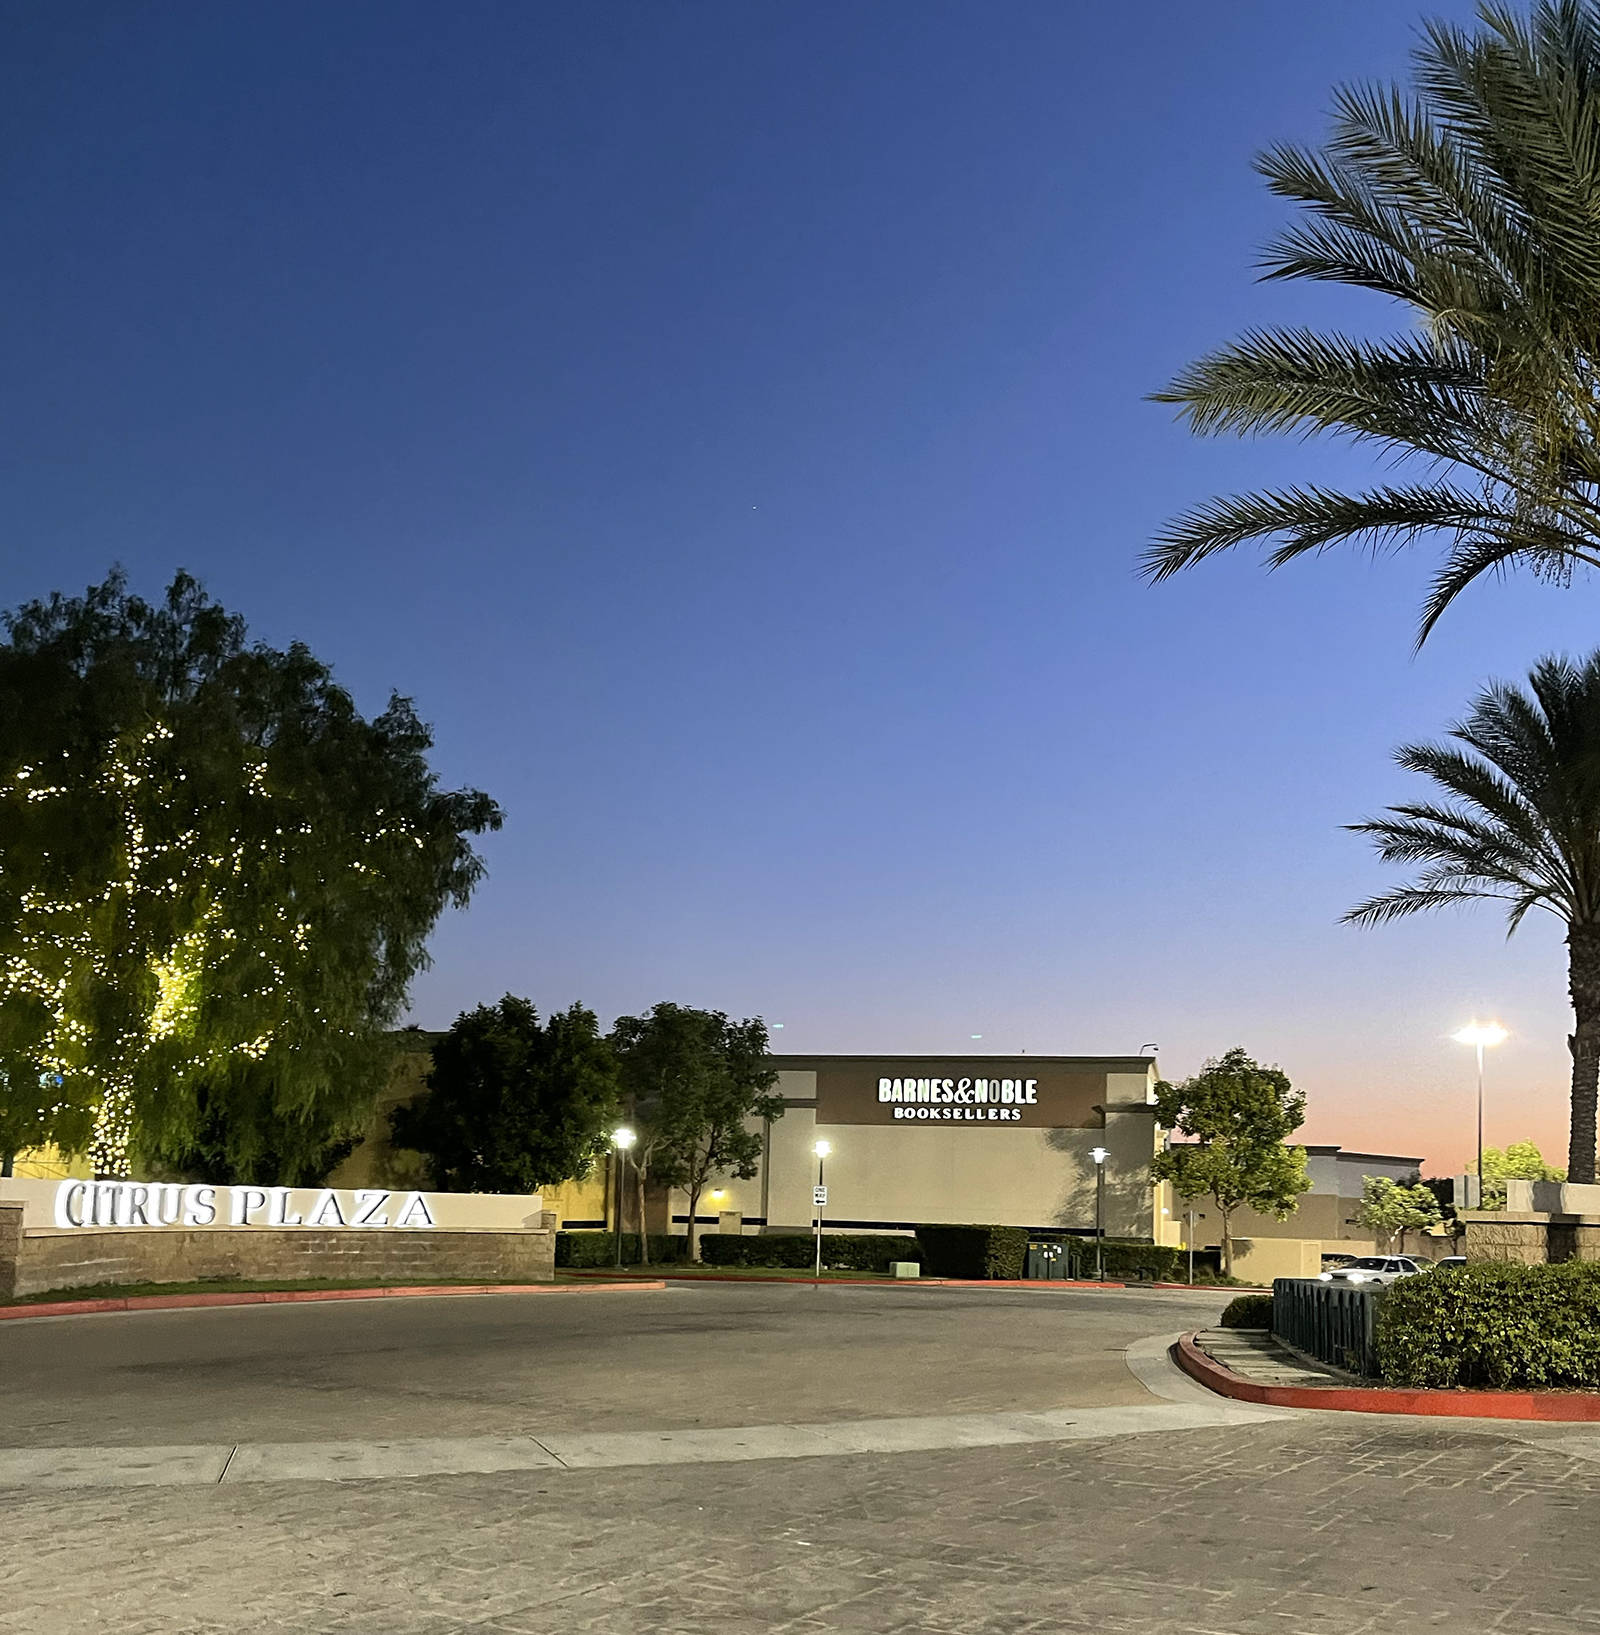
{"x": 1327, "y": 1213}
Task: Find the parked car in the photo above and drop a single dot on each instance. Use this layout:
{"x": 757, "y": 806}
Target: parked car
{"x": 1450, "y": 1260}
{"x": 1377, "y": 1270}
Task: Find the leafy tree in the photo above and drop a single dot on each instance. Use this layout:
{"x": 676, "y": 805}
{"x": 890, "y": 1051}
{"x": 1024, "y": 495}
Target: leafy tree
{"x": 1472, "y": 202}
{"x": 1519, "y": 825}
{"x": 218, "y": 879}
{"x": 691, "y": 1081}
{"x": 1390, "y": 1210}
{"x": 1238, "y": 1117}
{"x": 512, "y": 1106}
{"x": 1521, "y": 1161}
{"x": 34, "y": 1113}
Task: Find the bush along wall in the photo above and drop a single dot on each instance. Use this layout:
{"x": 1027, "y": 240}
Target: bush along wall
{"x": 1493, "y": 1327}
{"x": 1248, "y": 1311}
{"x": 1143, "y": 1260}
{"x": 580, "y": 1249}
{"x": 973, "y": 1251}
{"x": 841, "y": 1251}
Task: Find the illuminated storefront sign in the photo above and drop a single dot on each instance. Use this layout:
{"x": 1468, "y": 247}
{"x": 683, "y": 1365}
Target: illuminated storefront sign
{"x": 159, "y": 1204}
{"x": 953, "y": 1093}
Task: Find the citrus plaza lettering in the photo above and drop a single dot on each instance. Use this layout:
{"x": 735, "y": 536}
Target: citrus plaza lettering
{"x": 966, "y": 1101}
{"x": 157, "y": 1204}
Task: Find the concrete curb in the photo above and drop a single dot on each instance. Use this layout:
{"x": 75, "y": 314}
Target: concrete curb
{"x": 1572, "y": 1407}
{"x": 283, "y": 1297}
{"x": 883, "y": 1282}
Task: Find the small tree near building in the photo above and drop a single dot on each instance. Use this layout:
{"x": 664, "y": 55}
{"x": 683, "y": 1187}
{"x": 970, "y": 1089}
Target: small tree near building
{"x": 1520, "y": 1161}
{"x": 511, "y": 1105}
{"x": 692, "y": 1080}
{"x": 1389, "y": 1210}
{"x": 1237, "y": 1116}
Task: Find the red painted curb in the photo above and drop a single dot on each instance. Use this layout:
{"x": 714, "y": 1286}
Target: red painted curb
{"x": 890, "y": 1282}
{"x": 1363, "y": 1399}
{"x": 283, "y": 1297}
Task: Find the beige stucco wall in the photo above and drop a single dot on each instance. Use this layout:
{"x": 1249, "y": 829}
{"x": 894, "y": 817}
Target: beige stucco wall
{"x": 1021, "y": 1177}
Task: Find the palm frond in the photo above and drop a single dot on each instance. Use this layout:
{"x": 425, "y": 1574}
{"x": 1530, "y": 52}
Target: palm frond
{"x": 1474, "y": 201}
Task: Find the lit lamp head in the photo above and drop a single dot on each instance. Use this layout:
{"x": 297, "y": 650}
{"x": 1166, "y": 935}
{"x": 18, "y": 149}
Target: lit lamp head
{"x": 1482, "y": 1034}
{"x": 1100, "y": 1154}
{"x": 822, "y": 1149}
{"x": 622, "y": 1138}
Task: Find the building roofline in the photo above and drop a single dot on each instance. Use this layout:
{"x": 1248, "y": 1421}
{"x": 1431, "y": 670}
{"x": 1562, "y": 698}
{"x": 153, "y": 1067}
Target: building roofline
{"x": 1376, "y": 1157}
{"x": 1133, "y": 1064}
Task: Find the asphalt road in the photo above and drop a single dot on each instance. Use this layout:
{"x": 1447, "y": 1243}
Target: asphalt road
{"x": 1060, "y": 1483}
{"x": 695, "y": 1355}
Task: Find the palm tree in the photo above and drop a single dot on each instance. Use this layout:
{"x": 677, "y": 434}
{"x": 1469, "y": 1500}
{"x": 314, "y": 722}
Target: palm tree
{"x": 1475, "y": 202}
{"x": 1521, "y": 825}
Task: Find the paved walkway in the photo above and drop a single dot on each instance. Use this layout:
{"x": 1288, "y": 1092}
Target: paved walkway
{"x": 1261, "y": 1357}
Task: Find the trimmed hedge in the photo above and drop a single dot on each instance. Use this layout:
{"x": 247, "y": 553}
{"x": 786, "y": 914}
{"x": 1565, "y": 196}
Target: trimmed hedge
{"x": 1493, "y": 1326}
{"x": 841, "y": 1251}
{"x": 1139, "y": 1258}
{"x": 1248, "y": 1311}
{"x": 973, "y": 1251}
{"x": 600, "y": 1248}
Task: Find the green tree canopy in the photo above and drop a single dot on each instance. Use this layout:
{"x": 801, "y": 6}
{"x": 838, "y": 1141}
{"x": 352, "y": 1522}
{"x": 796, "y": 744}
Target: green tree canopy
{"x": 1237, "y": 1116}
{"x": 218, "y": 880}
{"x": 1390, "y": 1210}
{"x": 1518, "y": 824}
{"x": 692, "y": 1081}
{"x": 1474, "y": 202}
{"x": 512, "y": 1106}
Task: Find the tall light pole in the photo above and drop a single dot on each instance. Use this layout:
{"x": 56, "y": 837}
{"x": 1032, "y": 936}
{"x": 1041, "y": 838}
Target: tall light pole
{"x": 621, "y": 1140}
{"x": 1480, "y": 1034}
{"x": 819, "y": 1199}
{"x": 1100, "y": 1155}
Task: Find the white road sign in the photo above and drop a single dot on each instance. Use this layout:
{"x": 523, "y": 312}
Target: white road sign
{"x": 819, "y": 1196}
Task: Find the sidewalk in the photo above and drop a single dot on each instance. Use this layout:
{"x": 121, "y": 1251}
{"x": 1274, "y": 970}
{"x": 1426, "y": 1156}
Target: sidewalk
{"x": 1262, "y": 1358}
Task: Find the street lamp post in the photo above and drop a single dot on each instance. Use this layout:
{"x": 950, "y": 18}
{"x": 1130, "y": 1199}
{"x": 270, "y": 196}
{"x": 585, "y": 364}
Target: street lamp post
{"x": 1480, "y": 1034}
{"x": 1100, "y": 1155}
{"x": 819, "y": 1200}
{"x": 621, "y": 1140}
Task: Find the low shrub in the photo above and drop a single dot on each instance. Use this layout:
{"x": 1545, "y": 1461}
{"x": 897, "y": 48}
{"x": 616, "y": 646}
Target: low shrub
{"x": 1248, "y": 1311}
{"x": 580, "y": 1249}
{"x": 1493, "y": 1326}
{"x": 1138, "y": 1258}
{"x": 973, "y": 1251}
{"x": 841, "y": 1251}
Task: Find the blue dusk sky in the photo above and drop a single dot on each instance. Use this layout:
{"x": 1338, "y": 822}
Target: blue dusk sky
{"x": 728, "y": 421}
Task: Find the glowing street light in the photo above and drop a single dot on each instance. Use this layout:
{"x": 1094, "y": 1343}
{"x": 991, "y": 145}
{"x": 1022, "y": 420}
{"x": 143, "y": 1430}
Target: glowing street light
{"x": 1481, "y": 1034}
{"x": 819, "y": 1199}
{"x": 621, "y": 1139}
{"x": 1100, "y": 1155}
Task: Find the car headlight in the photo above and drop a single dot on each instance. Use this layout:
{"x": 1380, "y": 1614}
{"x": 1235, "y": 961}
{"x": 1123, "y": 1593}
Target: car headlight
{"x": 1324, "y": 1277}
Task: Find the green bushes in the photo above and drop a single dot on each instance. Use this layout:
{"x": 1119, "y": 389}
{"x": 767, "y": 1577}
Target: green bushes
{"x": 578, "y": 1249}
{"x": 841, "y": 1251}
{"x": 1248, "y": 1311}
{"x": 1135, "y": 1258}
{"x": 1493, "y": 1326}
{"x": 973, "y": 1251}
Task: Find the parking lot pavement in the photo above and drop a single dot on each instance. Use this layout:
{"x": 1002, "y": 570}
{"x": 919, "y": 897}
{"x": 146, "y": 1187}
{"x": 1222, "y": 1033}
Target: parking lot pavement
{"x": 1160, "y": 1522}
{"x": 495, "y": 1365}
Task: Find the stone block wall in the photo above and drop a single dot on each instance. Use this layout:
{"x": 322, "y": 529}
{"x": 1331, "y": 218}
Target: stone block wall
{"x": 34, "y": 1261}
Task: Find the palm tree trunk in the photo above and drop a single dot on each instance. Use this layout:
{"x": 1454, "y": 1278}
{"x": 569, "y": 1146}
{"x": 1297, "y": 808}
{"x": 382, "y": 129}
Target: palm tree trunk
{"x": 644, "y": 1237}
{"x": 1583, "y": 977}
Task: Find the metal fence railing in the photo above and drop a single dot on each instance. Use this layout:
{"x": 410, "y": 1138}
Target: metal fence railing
{"x": 1329, "y": 1321}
